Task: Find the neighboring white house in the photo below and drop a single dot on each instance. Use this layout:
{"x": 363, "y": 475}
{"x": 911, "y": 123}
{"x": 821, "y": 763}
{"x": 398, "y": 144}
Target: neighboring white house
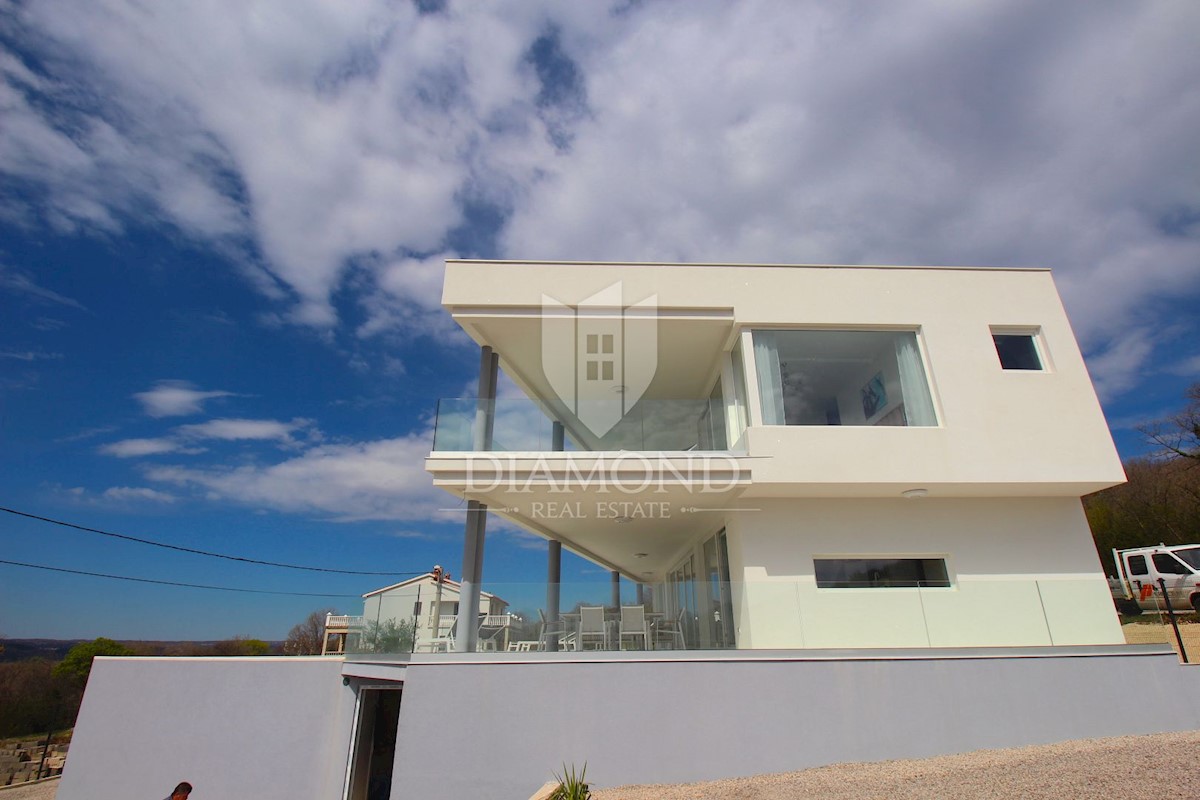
{"x": 429, "y": 603}
{"x": 431, "y": 606}
{"x": 796, "y": 456}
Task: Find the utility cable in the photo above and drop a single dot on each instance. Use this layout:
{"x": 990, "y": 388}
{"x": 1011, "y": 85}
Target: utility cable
{"x": 171, "y": 583}
{"x": 198, "y": 552}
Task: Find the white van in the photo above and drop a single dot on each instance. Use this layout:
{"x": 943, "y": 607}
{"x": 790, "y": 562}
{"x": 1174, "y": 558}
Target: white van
{"x": 1136, "y": 587}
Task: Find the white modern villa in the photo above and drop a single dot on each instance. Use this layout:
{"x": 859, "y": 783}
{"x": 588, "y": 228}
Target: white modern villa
{"x": 836, "y": 515}
{"x": 794, "y": 456}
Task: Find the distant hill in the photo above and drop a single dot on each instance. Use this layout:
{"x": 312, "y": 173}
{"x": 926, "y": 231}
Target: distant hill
{"x": 56, "y": 649}
{"x": 25, "y": 649}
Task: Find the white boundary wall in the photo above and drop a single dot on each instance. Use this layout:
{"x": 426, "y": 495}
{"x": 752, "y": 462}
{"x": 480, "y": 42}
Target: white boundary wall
{"x": 506, "y": 727}
{"x": 260, "y": 728}
{"x": 484, "y": 726}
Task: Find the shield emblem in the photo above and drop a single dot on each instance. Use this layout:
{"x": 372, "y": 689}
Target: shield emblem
{"x": 600, "y": 355}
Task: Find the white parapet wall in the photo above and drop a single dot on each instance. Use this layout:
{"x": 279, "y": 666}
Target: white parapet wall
{"x": 232, "y": 727}
{"x": 503, "y": 723}
{"x": 515, "y": 720}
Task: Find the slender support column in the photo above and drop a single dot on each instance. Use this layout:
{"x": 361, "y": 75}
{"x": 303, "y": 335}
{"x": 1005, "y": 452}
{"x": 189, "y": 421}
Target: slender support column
{"x": 616, "y": 589}
{"x": 553, "y": 590}
{"x": 467, "y": 634}
{"x": 641, "y": 594}
{"x": 554, "y": 557}
{"x": 485, "y": 408}
{"x": 467, "y": 630}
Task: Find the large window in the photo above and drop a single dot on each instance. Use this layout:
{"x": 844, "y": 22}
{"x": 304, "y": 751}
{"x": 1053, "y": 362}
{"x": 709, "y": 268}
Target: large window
{"x": 854, "y": 573}
{"x": 822, "y": 377}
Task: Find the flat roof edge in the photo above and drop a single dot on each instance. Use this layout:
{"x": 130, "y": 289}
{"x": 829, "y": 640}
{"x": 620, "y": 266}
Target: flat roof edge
{"x": 769, "y": 265}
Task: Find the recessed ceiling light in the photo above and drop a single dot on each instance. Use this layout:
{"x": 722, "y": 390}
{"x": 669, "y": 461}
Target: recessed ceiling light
{"x": 623, "y": 520}
{"x": 913, "y": 494}
{"x": 640, "y": 555}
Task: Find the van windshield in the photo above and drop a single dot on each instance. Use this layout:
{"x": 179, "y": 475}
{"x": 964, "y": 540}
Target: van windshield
{"x": 1191, "y": 555}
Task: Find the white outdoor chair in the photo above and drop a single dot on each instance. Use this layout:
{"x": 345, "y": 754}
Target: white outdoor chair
{"x": 670, "y": 632}
{"x": 444, "y": 641}
{"x": 491, "y": 634}
{"x": 592, "y": 628}
{"x": 550, "y": 631}
{"x": 633, "y": 625}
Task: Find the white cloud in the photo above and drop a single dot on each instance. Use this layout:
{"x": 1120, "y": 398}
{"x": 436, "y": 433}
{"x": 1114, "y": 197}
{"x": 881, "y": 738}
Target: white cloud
{"x": 87, "y": 433}
{"x": 349, "y": 142}
{"x": 243, "y": 429}
{"x": 183, "y": 438}
{"x": 19, "y": 283}
{"x": 983, "y": 133}
{"x": 1122, "y": 364}
{"x": 137, "y": 493}
{"x": 135, "y": 448}
{"x": 381, "y": 480}
{"x": 1188, "y": 367}
{"x": 176, "y": 399}
{"x": 411, "y": 534}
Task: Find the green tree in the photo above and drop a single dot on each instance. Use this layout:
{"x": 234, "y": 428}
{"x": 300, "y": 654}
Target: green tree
{"x": 33, "y": 700}
{"x": 1160, "y": 503}
{"x": 78, "y": 663}
{"x": 242, "y": 646}
{"x": 388, "y": 636}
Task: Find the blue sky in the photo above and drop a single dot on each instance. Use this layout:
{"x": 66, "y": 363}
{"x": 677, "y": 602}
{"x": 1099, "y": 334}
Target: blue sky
{"x": 222, "y": 227}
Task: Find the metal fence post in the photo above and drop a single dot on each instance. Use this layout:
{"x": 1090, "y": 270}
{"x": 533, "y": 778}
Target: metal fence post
{"x": 1171, "y": 615}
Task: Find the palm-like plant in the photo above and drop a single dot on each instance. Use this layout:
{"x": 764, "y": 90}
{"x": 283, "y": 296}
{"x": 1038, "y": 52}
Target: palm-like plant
{"x": 570, "y": 785}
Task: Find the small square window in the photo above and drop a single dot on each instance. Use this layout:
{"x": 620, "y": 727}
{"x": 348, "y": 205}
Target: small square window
{"x": 1017, "y": 351}
{"x": 592, "y": 343}
{"x": 606, "y": 343}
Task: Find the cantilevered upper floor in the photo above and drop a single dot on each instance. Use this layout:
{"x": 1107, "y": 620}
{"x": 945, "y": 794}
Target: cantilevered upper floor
{"x": 807, "y": 380}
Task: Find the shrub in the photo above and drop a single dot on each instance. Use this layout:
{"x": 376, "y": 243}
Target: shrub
{"x": 572, "y": 786}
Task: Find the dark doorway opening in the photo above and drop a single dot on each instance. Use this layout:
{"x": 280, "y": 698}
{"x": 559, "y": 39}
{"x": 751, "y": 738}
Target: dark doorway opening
{"x": 374, "y": 743}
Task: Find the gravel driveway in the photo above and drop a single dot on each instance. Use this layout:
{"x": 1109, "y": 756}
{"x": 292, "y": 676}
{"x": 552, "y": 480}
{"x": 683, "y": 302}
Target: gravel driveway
{"x": 1158, "y": 766}
{"x": 31, "y": 791}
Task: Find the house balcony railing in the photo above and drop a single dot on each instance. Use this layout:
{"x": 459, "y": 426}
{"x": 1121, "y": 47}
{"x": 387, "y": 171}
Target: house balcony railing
{"x": 523, "y": 425}
{"x": 338, "y": 623}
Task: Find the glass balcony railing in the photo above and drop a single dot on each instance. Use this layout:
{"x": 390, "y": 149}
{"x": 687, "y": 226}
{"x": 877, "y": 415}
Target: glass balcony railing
{"x": 523, "y": 425}
{"x": 766, "y": 615}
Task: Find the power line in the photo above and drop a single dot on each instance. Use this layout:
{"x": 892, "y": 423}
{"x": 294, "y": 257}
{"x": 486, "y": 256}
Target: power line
{"x": 195, "y": 551}
{"x": 171, "y": 583}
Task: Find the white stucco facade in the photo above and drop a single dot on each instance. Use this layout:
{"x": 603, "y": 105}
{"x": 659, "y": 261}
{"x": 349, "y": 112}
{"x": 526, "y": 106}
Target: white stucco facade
{"x": 999, "y": 455}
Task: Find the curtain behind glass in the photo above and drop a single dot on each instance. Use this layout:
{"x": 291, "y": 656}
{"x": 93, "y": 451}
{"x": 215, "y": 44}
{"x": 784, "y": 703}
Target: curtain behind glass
{"x": 918, "y": 405}
{"x": 770, "y": 379}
